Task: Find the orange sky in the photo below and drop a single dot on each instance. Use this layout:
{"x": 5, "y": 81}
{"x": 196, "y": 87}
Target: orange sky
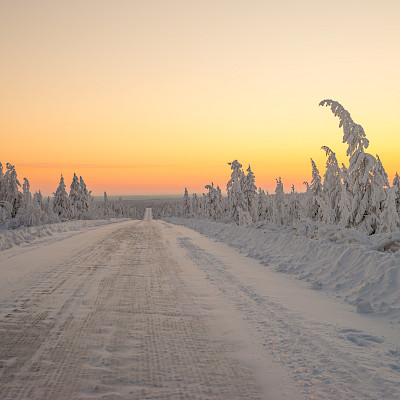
{"x": 151, "y": 96}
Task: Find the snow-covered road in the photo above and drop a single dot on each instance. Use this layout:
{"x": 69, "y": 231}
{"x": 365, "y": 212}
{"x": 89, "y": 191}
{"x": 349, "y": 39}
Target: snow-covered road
{"x": 150, "y": 310}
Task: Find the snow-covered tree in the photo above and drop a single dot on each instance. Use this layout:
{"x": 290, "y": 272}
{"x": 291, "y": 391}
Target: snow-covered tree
{"x": 75, "y": 197}
{"x": 120, "y": 208}
{"x": 85, "y": 199}
{"x": 213, "y": 202}
{"x": 106, "y": 206}
{"x": 186, "y": 206}
{"x": 1, "y": 179}
{"x": 30, "y": 213}
{"x": 9, "y": 190}
{"x": 396, "y": 185}
{"x": 37, "y": 196}
{"x": 237, "y": 204}
{"x": 219, "y": 204}
{"x": 389, "y": 218}
{"x": 360, "y": 171}
{"x": 345, "y": 200}
{"x": 26, "y": 193}
{"x": 61, "y": 203}
{"x": 315, "y": 201}
{"x": 332, "y": 186}
{"x": 279, "y": 208}
{"x": 263, "y": 206}
{"x": 249, "y": 190}
{"x": 195, "y": 205}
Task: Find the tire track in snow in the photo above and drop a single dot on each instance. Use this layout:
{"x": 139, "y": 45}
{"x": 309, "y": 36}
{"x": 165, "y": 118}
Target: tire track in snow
{"x": 319, "y": 356}
{"x": 116, "y": 321}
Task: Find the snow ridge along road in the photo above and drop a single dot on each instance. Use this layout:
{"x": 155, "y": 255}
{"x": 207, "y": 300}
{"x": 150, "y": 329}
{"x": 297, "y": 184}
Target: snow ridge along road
{"x": 111, "y": 319}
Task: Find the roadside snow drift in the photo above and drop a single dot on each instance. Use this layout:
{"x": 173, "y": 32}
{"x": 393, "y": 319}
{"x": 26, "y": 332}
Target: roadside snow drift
{"x": 14, "y": 237}
{"x": 356, "y": 273}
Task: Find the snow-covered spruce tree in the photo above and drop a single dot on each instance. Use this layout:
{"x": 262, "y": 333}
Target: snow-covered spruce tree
{"x": 106, "y": 206}
{"x": 26, "y": 192}
{"x": 396, "y": 185}
{"x": 249, "y": 190}
{"x": 203, "y": 206}
{"x": 61, "y": 203}
{"x": 186, "y": 206}
{"x": 10, "y": 196}
{"x": 214, "y": 202}
{"x": 279, "y": 207}
{"x": 360, "y": 172}
{"x": 120, "y": 208}
{"x": 85, "y": 199}
{"x": 194, "y": 203}
{"x": 75, "y": 197}
{"x": 37, "y": 196}
{"x": 332, "y": 186}
{"x": 1, "y": 179}
{"x": 237, "y": 205}
{"x": 209, "y": 201}
{"x": 389, "y": 218}
{"x": 293, "y": 208}
{"x": 219, "y": 204}
{"x": 263, "y": 209}
{"x": 383, "y": 207}
{"x": 345, "y": 200}
{"x": 315, "y": 204}
{"x": 305, "y": 202}
{"x": 30, "y": 213}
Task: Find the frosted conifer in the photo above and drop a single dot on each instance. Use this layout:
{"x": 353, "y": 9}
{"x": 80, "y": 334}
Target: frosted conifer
{"x": 396, "y": 185}
{"x": 278, "y": 211}
{"x": 236, "y": 198}
{"x": 186, "y": 204}
{"x": 249, "y": 189}
{"x": 85, "y": 199}
{"x": 75, "y": 197}
{"x": 9, "y": 188}
{"x": 61, "y": 203}
{"x": 195, "y": 205}
{"x": 106, "y": 206}
{"x": 332, "y": 185}
{"x": 316, "y": 204}
{"x": 38, "y": 198}
{"x": 389, "y": 218}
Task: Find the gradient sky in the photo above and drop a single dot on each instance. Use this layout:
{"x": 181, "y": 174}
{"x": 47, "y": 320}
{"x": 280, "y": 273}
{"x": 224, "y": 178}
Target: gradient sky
{"x": 152, "y": 96}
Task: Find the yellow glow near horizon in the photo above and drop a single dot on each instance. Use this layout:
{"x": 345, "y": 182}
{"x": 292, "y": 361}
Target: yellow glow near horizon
{"x": 150, "y": 97}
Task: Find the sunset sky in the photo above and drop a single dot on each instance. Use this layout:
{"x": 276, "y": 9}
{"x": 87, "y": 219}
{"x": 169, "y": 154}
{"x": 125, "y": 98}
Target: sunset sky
{"x": 144, "y": 97}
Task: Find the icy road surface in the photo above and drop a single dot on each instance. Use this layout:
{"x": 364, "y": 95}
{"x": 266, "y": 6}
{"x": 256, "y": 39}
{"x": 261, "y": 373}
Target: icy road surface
{"x": 150, "y": 310}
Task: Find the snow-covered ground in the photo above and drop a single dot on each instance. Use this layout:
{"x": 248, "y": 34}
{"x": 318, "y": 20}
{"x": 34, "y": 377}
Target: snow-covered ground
{"x": 26, "y": 235}
{"x": 154, "y": 310}
{"x": 344, "y": 267}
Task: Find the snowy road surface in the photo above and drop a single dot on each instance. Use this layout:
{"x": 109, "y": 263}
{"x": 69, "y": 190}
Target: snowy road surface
{"x": 150, "y": 310}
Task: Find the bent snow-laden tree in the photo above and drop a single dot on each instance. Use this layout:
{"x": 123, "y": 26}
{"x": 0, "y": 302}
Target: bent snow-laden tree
{"x": 365, "y": 175}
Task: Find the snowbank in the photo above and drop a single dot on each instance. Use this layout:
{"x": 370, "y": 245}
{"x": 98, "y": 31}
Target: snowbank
{"x": 355, "y": 272}
{"x": 14, "y": 237}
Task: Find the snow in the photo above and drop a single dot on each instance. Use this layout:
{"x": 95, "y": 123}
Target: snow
{"x": 25, "y": 235}
{"x": 328, "y": 349}
{"x": 150, "y": 309}
{"x": 350, "y": 272}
